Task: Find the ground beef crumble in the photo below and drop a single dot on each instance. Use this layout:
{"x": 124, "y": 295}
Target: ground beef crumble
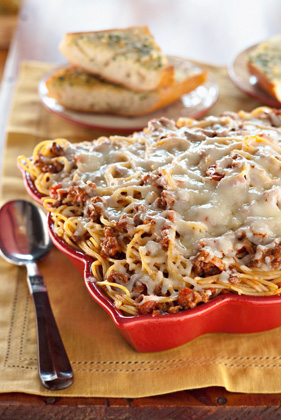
{"x": 188, "y": 298}
{"x": 117, "y": 277}
{"x": 95, "y": 209}
{"x": 56, "y": 149}
{"x": 166, "y": 200}
{"x": 205, "y": 265}
{"x": 110, "y": 246}
{"x": 47, "y": 165}
{"x": 270, "y": 256}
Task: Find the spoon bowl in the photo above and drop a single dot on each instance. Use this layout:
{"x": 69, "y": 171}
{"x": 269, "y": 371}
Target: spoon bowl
{"x": 24, "y": 236}
{"x": 24, "y": 240}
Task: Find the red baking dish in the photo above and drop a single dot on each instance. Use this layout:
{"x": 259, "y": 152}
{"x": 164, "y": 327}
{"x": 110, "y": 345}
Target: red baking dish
{"x": 227, "y": 313}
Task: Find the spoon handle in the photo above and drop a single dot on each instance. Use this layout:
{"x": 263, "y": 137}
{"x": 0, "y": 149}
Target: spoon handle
{"x": 54, "y": 366}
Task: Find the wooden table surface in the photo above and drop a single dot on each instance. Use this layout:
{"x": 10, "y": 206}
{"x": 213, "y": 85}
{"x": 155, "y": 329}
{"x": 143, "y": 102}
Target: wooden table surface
{"x": 181, "y": 28}
{"x": 201, "y": 404}
{"x": 3, "y": 57}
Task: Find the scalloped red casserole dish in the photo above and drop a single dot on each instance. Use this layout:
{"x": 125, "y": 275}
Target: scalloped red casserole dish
{"x": 227, "y": 313}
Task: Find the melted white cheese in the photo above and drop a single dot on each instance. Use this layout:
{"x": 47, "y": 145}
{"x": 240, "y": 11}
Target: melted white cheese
{"x": 224, "y": 174}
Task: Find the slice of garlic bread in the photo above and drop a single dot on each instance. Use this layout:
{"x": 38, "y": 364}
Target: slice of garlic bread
{"x": 264, "y": 61}
{"x": 75, "y": 89}
{"x": 129, "y": 57}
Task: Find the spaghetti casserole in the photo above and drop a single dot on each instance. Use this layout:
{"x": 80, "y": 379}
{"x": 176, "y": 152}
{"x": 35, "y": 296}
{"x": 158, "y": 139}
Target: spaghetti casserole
{"x": 173, "y": 215}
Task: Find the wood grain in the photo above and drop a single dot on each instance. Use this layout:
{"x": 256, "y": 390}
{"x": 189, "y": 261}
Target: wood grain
{"x": 3, "y": 57}
{"x": 206, "y": 404}
{"x": 8, "y": 24}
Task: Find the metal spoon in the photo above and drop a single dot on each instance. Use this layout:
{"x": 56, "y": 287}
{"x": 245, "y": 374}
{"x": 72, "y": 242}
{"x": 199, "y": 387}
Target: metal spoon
{"x": 24, "y": 240}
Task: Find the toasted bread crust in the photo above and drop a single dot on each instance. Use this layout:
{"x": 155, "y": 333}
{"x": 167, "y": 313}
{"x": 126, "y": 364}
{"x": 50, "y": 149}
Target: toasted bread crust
{"x": 144, "y": 28}
{"x": 268, "y": 85}
{"x": 172, "y": 93}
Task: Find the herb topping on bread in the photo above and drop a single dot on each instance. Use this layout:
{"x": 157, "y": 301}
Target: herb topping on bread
{"x": 129, "y": 57}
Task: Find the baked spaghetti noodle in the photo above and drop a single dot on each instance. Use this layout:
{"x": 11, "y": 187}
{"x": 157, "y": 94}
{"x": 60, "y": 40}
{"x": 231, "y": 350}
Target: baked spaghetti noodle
{"x": 173, "y": 215}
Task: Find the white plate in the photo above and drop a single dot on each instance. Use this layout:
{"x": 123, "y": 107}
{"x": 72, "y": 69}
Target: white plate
{"x": 193, "y": 105}
{"x": 241, "y": 77}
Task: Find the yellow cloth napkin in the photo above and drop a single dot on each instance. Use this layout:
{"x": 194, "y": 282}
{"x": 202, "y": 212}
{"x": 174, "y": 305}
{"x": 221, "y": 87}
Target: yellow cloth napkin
{"x": 104, "y": 364}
